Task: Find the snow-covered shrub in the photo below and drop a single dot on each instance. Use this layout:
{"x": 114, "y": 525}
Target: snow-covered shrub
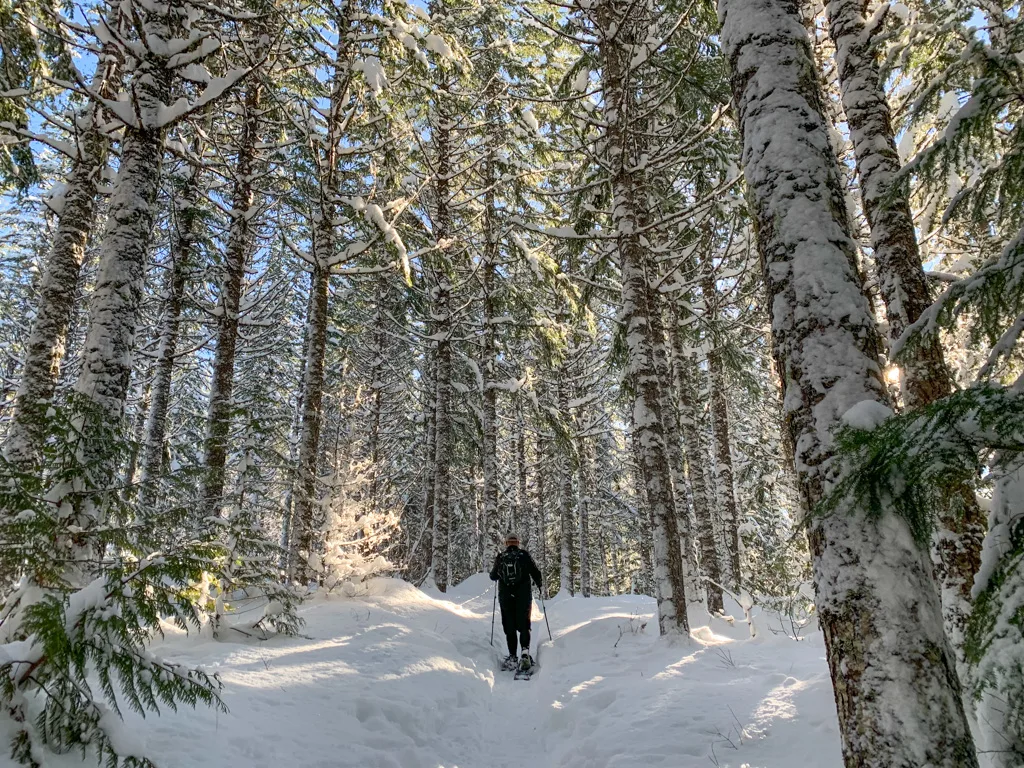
{"x": 354, "y": 536}
{"x": 246, "y": 582}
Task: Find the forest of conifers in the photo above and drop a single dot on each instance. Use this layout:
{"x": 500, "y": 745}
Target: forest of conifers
{"x": 697, "y": 300}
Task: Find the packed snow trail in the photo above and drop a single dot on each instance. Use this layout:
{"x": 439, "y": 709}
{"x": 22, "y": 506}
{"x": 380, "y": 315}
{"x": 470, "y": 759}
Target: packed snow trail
{"x": 403, "y": 679}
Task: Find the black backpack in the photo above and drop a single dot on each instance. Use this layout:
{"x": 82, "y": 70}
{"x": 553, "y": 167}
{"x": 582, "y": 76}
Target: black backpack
{"x": 510, "y": 570}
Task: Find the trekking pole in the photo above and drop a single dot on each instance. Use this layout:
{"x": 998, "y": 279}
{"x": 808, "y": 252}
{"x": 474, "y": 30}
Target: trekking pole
{"x": 545, "y": 607}
{"x": 493, "y": 608}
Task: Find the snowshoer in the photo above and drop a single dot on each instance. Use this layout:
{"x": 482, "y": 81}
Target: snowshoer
{"x": 513, "y": 570}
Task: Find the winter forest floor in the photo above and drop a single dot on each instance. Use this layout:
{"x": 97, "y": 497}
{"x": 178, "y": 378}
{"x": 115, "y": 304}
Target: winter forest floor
{"x": 401, "y": 678}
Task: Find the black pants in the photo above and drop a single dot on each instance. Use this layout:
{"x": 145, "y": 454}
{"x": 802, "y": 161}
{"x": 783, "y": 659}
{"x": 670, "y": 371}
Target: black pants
{"x": 515, "y": 617}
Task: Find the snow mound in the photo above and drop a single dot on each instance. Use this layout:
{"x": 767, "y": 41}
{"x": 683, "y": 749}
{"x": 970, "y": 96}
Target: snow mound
{"x": 867, "y": 414}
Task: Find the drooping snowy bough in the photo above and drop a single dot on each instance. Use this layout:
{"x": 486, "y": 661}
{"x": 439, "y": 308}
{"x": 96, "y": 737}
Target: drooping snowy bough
{"x": 893, "y": 670}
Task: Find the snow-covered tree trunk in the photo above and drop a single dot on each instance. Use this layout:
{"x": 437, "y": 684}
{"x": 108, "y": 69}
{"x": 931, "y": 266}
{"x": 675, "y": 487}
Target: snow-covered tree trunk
{"x": 523, "y": 516}
{"x": 585, "y": 482}
{"x": 903, "y": 287}
{"x": 645, "y": 519}
{"x": 996, "y": 629}
{"x": 140, "y": 401}
{"x": 489, "y": 353}
{"x": 58, "y": 289}
{"x": 377, "y": 386}
{"x": 312, "y": 400}
{"x": 236, "y": 256}
{"x": 324, "y": 247}
{"x": 443, "y": 316}
{"x": 541, "y": 547}
{"x": 681, "y": 491}
{"x": 719, "y": 406}
{"x": 566, "y": 580}
{"x": 686, "y": 384}
{"x": 182, "y": 257}
{"x": 289, "y": 537}
{"x": 429, "y": 452}
{"x": 893, "y": 671}
{"x": 115, "y": 302}
{"x": 619, "y": 30}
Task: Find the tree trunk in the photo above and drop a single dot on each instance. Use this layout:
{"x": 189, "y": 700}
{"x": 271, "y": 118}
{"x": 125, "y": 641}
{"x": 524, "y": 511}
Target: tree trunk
{"x": 619, "y": 31}
{"x": 645, "y": 520}
{"x": 429, "y": 449}
{"x": 894, "y": 674}
{"x": 904, "y": 289}
{"x": 489, "y": 269}
{"x": 541, "y": 547}
{"x": 673, "y": 441}
{"x": 324, "y": 243}
{"x": 523, "y": 517}
{"x": 489, "y": 447}
{"x": 182, "y": 257}
{"x": 115, "y": 301}
{"x": 719, "y": 406}
{"x": 686, "y": 385}
{"x": 566, "y": 577}
{"x": 58, "y": 290}
{"x": 442, "y": 312}
{"x": 378, "y": 388}
{"x": 312, "y": 416}
{"x": 236, "y": 256}
{"x": 585, "y": 482}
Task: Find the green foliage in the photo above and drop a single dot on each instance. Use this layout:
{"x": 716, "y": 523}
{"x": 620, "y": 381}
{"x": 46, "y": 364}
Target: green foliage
{"x": 990, "y": 301}
{"x": 907, "y": 462}
{"x": 247, "y": 571}
{"x": 94, "y": 584}
{"x": 19, "y": 63}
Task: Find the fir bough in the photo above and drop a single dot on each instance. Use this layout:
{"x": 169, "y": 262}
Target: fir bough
{"x": 909, "y": 460}
{"x": 94, "y": 582}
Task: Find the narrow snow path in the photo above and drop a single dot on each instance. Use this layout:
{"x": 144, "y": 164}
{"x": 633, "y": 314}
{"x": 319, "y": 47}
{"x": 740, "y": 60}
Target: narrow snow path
{"x": 403, "y": 679}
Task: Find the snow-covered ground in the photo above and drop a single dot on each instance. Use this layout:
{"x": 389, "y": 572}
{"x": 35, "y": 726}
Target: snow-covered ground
{"x": 399, "y": 678}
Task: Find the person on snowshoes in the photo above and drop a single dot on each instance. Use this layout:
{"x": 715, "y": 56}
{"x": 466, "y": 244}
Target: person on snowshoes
{"x": 513, "y": 570}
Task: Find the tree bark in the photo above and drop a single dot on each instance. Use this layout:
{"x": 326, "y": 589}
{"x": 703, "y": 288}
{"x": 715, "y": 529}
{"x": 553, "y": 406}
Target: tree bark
{"x": 685, "y": 370}
{"x": 115, "y": 301}
{"x": 491, "y": 233}
{"x": 619, "y": 30}
{"x": 541, "y": 547}
{"x": 236, "y": 256}
{"x": 904, "y": 288}
{"x": 726, "y": 491}
{"x": 566, "y": 576}
{"x": 585, "y": 483}
{"x": 58, "y": 290}
{"x": 523, "y": 517}
{"x": 681, "y": 491}
{"x": 312, "y": 419}
{"x": 324, "y": 239}
{"x": 442, "y": 312}
{"x": 893, "y": 671}
{"x": 182, "y": 258}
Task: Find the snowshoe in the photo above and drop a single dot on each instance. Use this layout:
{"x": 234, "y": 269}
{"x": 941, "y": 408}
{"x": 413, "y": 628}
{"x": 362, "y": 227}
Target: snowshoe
{"x": 509, "y": 663}
{"x": 526, "y": 668}
{"x": 526, "y": 674}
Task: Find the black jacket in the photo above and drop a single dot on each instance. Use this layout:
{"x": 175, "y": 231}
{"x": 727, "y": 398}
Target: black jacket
{"x": 530, "y": 570}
